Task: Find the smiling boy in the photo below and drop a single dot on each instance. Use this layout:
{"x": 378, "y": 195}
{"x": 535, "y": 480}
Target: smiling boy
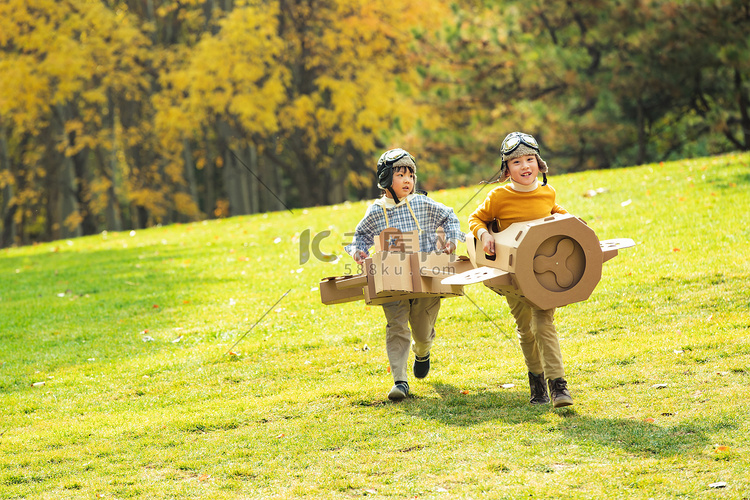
{"x": 521, "y": 200}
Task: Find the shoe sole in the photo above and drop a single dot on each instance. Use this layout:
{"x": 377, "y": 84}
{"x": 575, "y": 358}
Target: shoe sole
{"x": 563, "y": 403}
{"x": 396, "y": 395}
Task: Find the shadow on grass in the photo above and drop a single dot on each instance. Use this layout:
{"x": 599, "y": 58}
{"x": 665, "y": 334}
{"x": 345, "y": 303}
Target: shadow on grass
{"x": 639, "y": 437}
{"x": 455, "y": 408}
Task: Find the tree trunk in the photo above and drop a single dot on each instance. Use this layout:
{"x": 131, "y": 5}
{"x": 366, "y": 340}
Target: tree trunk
{"x": 82, "y": 193}
{"x": 192, "y": 185}
{"x": 254, "y": 185}
{"x": 68, "y": 204}
{"x": 209, "y": 181}
{"x": 641, "y": 159}
{"x": 7, "y": 209}
{"x": 743, "y": 102}
{"x": 112, "y": 212}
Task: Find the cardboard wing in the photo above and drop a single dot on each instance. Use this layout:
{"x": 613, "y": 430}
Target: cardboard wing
{"x": 548, "y": 262}
{"x": 610, "y": 247}
{"x": 397, "y": 271}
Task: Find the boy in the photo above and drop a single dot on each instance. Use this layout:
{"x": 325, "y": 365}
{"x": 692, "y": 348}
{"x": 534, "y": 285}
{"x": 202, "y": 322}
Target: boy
{"x": 406, "y": 211}
{"x": 524, "y": 199}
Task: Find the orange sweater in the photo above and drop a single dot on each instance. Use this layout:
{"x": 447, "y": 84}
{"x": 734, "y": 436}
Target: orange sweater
{"x": 508, "y": 206}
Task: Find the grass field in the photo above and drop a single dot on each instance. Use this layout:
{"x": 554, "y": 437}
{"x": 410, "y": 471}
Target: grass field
{"x": 196, "y": 361}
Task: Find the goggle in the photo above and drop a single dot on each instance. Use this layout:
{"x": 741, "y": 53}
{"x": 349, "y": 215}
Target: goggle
{"x": 394, "y": 155}
{"x": 515, "y": 139}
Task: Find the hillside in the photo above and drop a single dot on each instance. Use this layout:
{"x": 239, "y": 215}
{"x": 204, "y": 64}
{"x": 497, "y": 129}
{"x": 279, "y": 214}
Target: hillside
{"x": 196, "y": 361}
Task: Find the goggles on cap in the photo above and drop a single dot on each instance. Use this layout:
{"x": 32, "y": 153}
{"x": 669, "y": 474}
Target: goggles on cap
{"x": 394, "y": 155}
{"x": 515, "y": 139}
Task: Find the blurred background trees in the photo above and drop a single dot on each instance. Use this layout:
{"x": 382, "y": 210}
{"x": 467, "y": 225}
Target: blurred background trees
{"x": 122, "y": 114}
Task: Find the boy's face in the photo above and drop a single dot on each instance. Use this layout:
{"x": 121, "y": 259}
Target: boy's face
{"x": 523, "y": 169}
{"x": 403, "y": 182}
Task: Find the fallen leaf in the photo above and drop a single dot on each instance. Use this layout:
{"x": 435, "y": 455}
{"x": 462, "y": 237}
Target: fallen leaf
{"x": 156, "y": 306}
{"x": 722, "y": 449}
{"x": 675, "y": 249}
{"x": 203, "y": 477}
{"x": 649, "y": 420}
{"x": 464, "y": 392}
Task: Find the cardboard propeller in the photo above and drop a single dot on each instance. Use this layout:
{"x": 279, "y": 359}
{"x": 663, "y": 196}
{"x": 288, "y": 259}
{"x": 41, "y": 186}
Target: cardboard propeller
{"x": 548, "y": 262}
{"x": 397, "y": 270}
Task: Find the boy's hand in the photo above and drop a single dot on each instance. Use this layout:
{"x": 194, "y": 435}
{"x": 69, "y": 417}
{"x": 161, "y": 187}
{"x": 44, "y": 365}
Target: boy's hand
{"x": 359, "y": 257}
{"x": 488, "y": 243}
{"x": 449, "y": 247}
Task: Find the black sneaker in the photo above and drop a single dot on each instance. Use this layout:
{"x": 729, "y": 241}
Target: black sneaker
{"x": 399, "y": 391}
{"x": 538, "y": 389}
{"x": 558, "y": 389}
{"x": 421, "y": 366}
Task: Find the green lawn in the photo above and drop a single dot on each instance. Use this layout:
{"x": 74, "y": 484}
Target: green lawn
{"x": 120, "y": 377}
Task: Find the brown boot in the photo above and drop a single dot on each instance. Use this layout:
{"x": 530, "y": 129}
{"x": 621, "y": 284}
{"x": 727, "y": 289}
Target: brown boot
{"x": 538, "y": 389}
{"x": 558, "y": 389}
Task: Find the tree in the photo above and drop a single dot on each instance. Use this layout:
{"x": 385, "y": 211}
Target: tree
{"x": 600, "y": 83}
{"x": 59, "y": 67}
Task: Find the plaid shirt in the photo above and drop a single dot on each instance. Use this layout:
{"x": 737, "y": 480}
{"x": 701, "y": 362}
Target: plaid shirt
{"x": 430, "y": 214}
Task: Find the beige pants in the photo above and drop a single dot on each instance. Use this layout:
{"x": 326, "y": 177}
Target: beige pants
{"x": 538, "y": 337}
{"x": 421, "y": 314}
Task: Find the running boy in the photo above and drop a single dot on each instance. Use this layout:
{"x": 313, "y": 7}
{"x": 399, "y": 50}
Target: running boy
{"x": 524, "y": 199}
{"x": 401, "y": 208}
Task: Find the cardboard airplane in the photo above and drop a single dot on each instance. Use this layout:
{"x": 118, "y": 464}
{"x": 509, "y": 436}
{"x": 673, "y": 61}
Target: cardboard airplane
{"x": 395, "y": 271}
{"x": 549, "y": 262}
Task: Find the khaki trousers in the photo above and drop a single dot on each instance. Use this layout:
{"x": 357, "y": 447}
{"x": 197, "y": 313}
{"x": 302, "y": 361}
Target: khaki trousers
{"x": 421, "y": 314}
{"x": 538, "y": 337}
